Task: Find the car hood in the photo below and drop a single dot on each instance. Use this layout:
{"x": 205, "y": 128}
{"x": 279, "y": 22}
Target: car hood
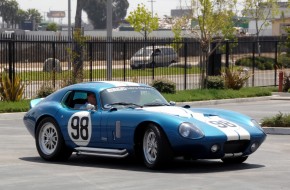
{"x": 172, "y": 110}
{"x": 232, "y": 129}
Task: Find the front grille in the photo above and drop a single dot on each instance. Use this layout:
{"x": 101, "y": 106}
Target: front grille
{"x": 236, "y": 146}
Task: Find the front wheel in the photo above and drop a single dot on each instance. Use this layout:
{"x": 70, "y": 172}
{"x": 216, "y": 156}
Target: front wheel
{"x": 49, "y": 141}
{"x": 156, "y": 149}
{"x": 235, "y": 160}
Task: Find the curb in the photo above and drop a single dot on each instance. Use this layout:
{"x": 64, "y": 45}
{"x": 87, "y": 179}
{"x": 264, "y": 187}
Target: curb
{"x": 277, "y": 130}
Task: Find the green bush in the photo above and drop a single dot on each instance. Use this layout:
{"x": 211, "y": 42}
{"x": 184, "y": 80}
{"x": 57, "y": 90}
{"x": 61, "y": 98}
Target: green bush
{"x": 283, "y": 61}
{"x": 164, "y": 86}
{"x": 215, "y": 82}
{"x": 11, "y": 90}
{"x": 44, "y": 91}
{"x": 235, "y": 79}
{"x": 279, "y": 120}
{"x": 262, "y": 63}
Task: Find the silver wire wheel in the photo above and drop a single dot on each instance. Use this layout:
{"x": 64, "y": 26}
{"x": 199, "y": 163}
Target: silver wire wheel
{"x": 150, "y": 146}
{"x": 49, "y": 141}
{"x": 48, "y": 138}
{"x": 155, "y": 147}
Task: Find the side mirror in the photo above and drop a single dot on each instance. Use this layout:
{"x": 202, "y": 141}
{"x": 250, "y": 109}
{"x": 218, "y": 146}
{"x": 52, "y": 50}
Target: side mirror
{"x": 172, "y": 103}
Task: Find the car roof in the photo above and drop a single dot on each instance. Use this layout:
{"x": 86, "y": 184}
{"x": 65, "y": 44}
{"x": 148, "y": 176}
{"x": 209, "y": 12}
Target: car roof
{"x": 101, "y": 85}
{"x": 158, "y": 47}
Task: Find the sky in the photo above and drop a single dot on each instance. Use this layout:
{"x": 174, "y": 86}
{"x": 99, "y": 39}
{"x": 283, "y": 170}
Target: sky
{"x": 161, "y": 7}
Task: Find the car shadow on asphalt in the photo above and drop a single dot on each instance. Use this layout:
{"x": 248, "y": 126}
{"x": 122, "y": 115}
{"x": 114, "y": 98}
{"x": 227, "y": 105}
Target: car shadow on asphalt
{"x": 132, "y": 164}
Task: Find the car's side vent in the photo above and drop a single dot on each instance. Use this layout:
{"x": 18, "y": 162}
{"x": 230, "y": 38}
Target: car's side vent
{"x": 118, "y": 129}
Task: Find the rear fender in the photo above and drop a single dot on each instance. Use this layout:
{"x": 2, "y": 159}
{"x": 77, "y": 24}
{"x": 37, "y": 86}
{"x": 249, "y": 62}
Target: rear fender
{"x": 34, "y": 102}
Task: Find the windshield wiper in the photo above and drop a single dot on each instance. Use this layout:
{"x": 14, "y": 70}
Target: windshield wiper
{"x": 156, "y": 104}
{"x": 125, "y": 104}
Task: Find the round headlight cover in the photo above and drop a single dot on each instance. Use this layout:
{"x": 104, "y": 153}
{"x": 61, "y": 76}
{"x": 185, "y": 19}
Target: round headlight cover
{"x": 189, "y": 130}
{"x": 256, "y": 124}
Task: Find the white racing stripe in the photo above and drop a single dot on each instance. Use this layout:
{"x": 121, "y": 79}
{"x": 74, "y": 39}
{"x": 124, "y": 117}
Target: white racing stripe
{"x": 120, "y": 83}
{"x": 230, "y": 129}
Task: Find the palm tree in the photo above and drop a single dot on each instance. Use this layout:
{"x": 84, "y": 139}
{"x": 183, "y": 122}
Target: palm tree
{"x": 8, "y": 11}
{"x": 78, "y": 44}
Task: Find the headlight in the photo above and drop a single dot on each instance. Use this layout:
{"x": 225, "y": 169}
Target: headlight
{"x": 188, "y": 130}
{"x": 256, "y": 124}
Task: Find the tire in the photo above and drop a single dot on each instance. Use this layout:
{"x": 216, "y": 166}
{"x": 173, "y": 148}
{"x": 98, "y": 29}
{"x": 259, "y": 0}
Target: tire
{"x": 236, "y": 160}
{"x": 173, "y": 61}
{"x": 49, "y": 141}
{"x": 155, "y": 148}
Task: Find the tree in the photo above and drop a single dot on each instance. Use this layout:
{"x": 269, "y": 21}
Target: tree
{"x": 215, "y": 23}
{"x": 9, "y": 10}
{"x": 78, "y": 16}
{"x": 21, "y": 16}
{"x": 34, "y": 15}
{"x": 78, "y": 39}
{"x": 96, "y": 11}
{"x": 214, "y": 20}
{"x": 142, "y": 21}
{"x": 52, "y": 27}
{"x": 262, "y": 11}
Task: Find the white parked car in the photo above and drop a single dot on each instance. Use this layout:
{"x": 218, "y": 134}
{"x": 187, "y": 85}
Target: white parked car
{"x": 160, "y": 56}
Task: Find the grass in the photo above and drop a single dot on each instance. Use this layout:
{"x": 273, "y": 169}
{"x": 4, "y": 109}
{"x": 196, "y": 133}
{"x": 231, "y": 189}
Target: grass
{"x": 211, "y": 94}
{"x": 19, "y": 106}
{"x": 180, "y": 96}
{"x": 101, "y": 73}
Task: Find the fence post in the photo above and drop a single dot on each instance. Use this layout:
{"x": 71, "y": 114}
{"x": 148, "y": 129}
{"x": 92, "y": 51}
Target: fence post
{"x": 227, "y": 53}
{"x": 91, "y": 60}
{"x": 124, "y": 59}
{"x": 281, "y": 76}
{"x": 153, "y": 62}
{"x": 253, "y": 65}
{"x": 276, "y": 63}
{"x": 10, "y": 60}
{"x": 53, "y": 64}
{"x": 185, "y": 65}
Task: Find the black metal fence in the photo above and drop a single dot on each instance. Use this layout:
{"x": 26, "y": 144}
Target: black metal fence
{"x": 48, "y": 61}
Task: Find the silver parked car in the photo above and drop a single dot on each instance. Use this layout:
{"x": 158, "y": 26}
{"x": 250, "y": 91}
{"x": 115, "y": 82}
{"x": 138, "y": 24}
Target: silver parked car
{"x": 160, "y": 56}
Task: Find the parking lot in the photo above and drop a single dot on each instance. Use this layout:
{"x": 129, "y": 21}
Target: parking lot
{"x": 22, "y": 168}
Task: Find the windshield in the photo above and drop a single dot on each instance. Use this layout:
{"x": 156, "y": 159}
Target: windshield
{"x": 143, "y": 52}
{"x": 133, "y": 96}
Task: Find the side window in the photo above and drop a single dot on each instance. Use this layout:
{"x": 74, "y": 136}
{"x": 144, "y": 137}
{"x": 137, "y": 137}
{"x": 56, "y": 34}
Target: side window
{"x": 79, "y": 99}
{"x": 170, "y": 51}
{"x": 67, "y": 99}
{"x": 165, "y": 51}
{"x": 157, "y": 52}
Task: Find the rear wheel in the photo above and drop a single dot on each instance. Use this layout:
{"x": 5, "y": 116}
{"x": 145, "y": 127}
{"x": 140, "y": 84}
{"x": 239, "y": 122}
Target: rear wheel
{"x": 49, "y": 141}
{"x": 156, "y": 149}
{"x": 236, "y": 160}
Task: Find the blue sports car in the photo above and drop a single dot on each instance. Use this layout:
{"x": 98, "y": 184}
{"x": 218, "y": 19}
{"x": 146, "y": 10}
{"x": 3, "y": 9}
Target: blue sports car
{"x": 119, "y": 119}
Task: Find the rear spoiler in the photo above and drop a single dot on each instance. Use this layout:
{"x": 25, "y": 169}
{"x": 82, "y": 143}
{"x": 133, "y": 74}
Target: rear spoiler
{"x": 34, "y": 102}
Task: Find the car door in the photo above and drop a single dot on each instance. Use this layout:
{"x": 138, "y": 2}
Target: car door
{"x": 157, "y": 57}
{"x": 80, "y": 126}
{"x": 117, "y": 128}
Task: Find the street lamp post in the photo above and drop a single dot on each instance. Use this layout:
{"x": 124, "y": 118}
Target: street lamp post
{"x": 69, "y": 20}
{"x": 109, "y": 39}
{"x": 69, "y": 29}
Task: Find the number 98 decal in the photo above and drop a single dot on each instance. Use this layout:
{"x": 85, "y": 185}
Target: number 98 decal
{"x": 80, "y": 128}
